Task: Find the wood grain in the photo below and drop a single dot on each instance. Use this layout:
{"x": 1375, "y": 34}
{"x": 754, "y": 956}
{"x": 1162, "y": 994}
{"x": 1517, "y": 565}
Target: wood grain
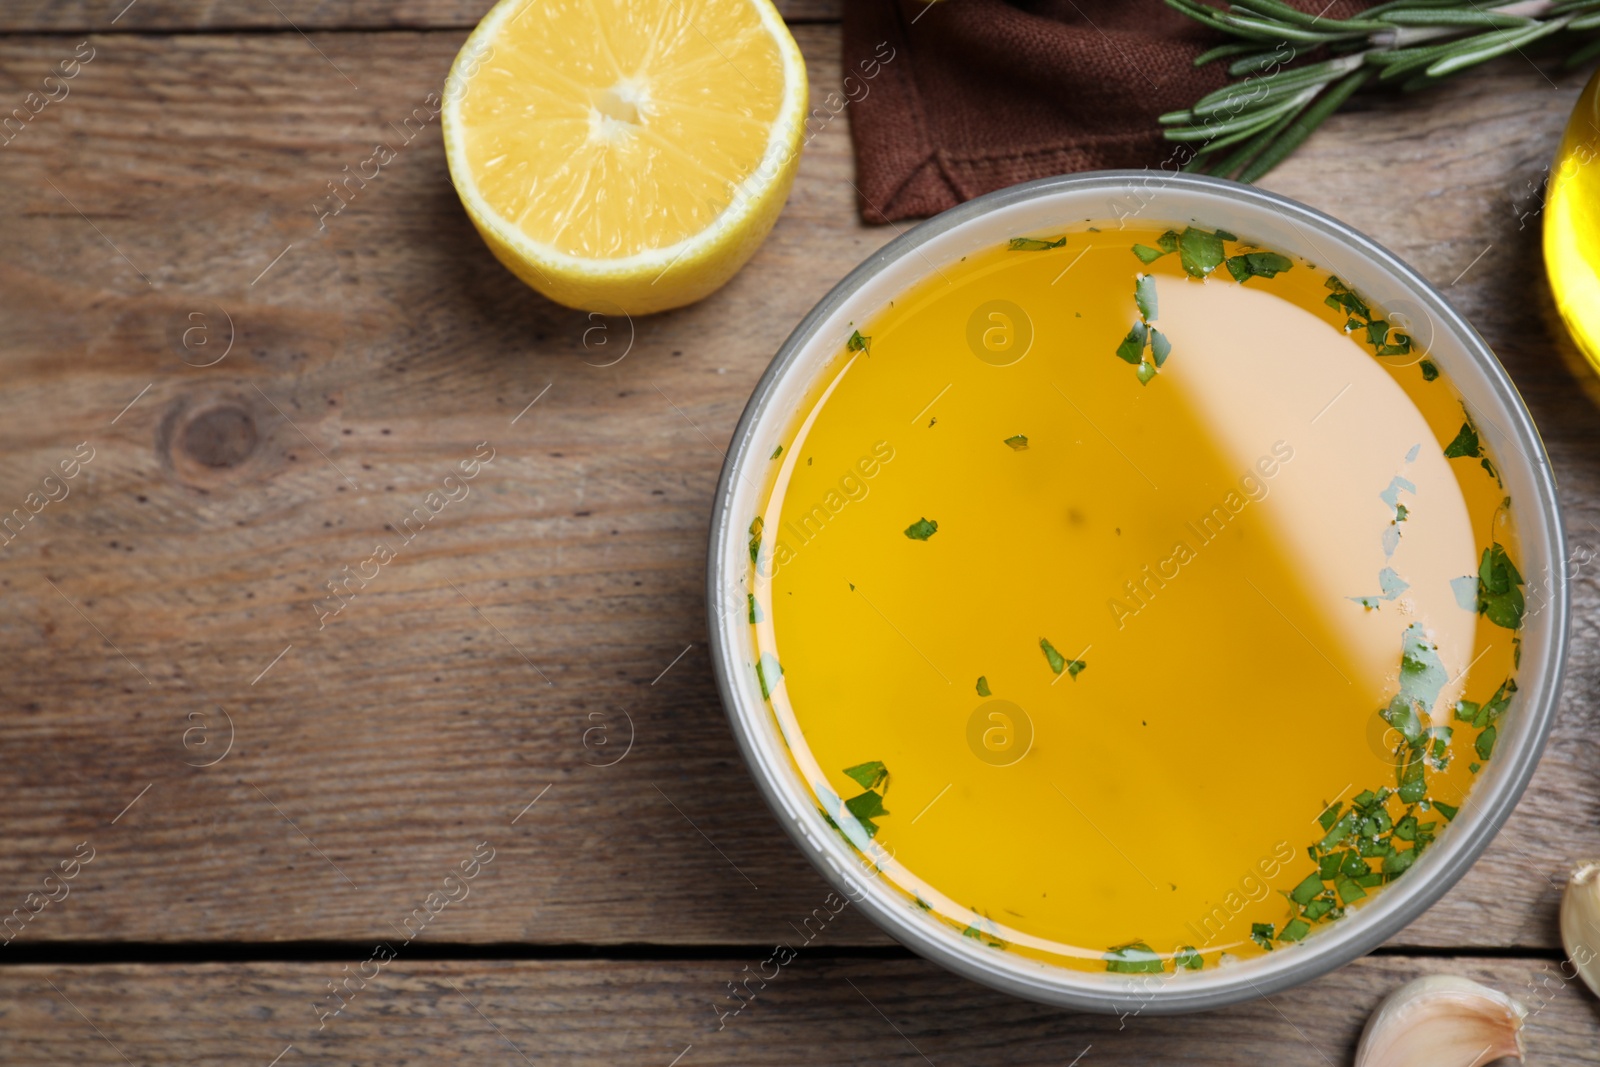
{"x": 817, "y": 1010}
{"x": 174, "y": 189}
{"x": 103, "y": 16}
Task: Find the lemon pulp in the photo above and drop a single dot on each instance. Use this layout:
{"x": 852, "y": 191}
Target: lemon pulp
{"x": 620, "y": 155}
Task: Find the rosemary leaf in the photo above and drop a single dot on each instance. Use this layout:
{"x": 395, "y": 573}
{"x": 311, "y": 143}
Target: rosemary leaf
{"x": 1284, "y": 13}
{"x": 1251, "y": 64}
{"x": 1507, "y": 42}
{"x": 1282, "y": 32}
{"x": 1272, "y": 107}
{"x": 1301, "y": 128}
{"x": 1455, "y": 17}
{"x": 1202, "y": 14}
{"x": 1251, "y": 148}
{"x": 1233, "y": 97}
{"x": 1255, "y": 120}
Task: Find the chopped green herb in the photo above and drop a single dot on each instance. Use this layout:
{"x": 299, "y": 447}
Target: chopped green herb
{"x": 1340, "y": 831}
{"x": 1465, "y": 443}
{"x": 1057, "y": 661}
{"x": 1350, "y": 303}
{"x": 1328, "y": 817}
{"x": 1144, "y": 295}
{"x": 983, "y": 686}
{"x": 922, "y": 529}
{"x": 1485, "y": 742}
{"x": 1200, "y": 251}
{"x": 1446, "y": 810}
{"x": 1400, "y": 346}
{"x": 1017, "y": 442}
{"x": 1398, "y": 863}
{"x": 1499, "y": 597}
{"x": 1145, "y": 372}
{"x": 1294, "y": 930}
{"x": 768, "y": 673}
{"x": 1131, "y": 350}
{"x": 1375, "y": 849}
{"x": 1226, "y": 236}
{"x": 1257, "y": 265}
{"x": 1474, "y": 767}
{"x": 756, "y": 525}
{"x": 1146, "y": 254}
{"x": 1186, "y": 958}
{"x": 1034, "y": 244}
{"x": 1413, "y": 779}
{"x": 1076, "y": 667}
{"x": 858, "y": 343}
{"x": 1497, "y": 704}
{"x": 1430, "y": 371}
{"x": 870, "y": 775}
{"x": 866, "y": 806}
{"x": 1136, "y": 957}
{"x": 1160, "y": 347}
{"x": 1317, "y": 909}
{"x": 1261, "y": 933}
{"x": 776, "y": 452}
{"x": 755, "y": 609}
{"x": 1307, "y": 890}
{"x": 1168, "y": 242}
{"x": 1348, "y": 890}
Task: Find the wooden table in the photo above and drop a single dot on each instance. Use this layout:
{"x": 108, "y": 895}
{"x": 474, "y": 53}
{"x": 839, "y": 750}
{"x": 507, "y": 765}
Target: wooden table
{"x": 269, "y": 789}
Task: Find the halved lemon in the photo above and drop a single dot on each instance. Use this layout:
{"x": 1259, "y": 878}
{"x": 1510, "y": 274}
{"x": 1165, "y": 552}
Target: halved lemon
{"x": 625, "y": 155}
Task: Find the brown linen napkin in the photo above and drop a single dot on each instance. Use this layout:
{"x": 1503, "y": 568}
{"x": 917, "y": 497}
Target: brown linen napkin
{"x": 961, "y": 97}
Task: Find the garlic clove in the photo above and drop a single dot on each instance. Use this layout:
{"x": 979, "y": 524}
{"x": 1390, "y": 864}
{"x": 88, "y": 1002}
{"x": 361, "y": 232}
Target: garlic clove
{"x": 1580, "y": 923}
{"x": 1442, "y": 1021}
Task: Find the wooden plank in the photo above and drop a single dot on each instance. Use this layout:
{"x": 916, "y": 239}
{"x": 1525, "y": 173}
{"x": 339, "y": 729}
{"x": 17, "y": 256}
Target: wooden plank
{"x": 814, "y": 1011}
{"x": 102, "y": 16}
{"x": 174, "y": 189}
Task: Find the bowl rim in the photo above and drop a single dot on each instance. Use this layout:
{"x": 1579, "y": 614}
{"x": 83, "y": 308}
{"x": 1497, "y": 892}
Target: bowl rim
{"x": 1513, "y": 773}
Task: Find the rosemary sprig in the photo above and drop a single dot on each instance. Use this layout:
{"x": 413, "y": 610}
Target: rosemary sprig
{"x": 1274, "y": 106}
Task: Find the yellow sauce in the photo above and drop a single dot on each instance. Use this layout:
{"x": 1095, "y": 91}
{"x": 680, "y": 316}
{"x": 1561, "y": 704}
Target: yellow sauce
{"x": 978, "y": 474}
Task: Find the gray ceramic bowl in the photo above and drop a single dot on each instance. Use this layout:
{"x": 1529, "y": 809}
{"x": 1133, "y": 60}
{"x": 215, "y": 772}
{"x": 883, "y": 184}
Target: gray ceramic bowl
{"x": 1271, "y": 221}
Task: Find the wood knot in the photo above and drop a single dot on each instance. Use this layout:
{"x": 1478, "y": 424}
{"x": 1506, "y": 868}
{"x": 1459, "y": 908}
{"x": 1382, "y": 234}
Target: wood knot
{"x": 218, "y": 437}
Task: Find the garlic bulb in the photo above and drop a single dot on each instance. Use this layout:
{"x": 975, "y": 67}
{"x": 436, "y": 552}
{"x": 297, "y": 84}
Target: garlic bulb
{"x": 1580, "y": 923}
{"x": 1442, "y": 1021}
